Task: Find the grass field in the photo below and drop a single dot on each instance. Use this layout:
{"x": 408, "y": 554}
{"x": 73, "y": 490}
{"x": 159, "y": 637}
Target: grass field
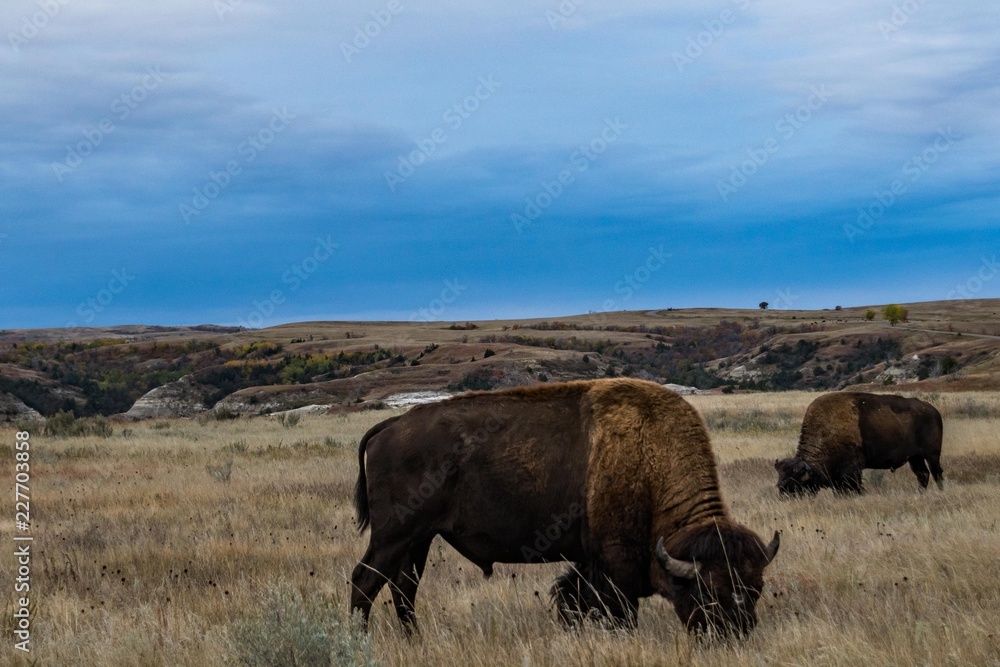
{"x": 204, "y": 543}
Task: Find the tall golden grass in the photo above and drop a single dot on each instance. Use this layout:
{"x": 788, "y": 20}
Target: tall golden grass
{"x": 146, "y": 554}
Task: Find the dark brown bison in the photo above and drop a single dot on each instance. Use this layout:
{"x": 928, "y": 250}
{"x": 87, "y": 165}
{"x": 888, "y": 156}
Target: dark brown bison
{"x": 844, "y": 433}
{"x": 616, "y": 476}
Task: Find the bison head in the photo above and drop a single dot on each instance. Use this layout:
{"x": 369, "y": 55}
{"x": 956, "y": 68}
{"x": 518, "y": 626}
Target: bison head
{"x": 715, "y": 576}
{"x": 796, "y": 477}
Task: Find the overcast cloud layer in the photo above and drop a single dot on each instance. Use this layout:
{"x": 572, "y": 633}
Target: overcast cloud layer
{"x": 257, "y": 163}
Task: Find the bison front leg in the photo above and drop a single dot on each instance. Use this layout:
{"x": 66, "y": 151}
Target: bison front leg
{"x": 850, "y": 482}
{"x": 622, "y": 603}
{"x": 588, "y": 591}
{"x": 620, "y": 586}
{"x": 573, "y": 596}
{"x": 848, "y": 477}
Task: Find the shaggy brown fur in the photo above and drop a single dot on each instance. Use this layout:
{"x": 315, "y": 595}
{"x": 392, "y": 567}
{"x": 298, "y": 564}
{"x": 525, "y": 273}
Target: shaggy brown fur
{"x": 846, "y": 432}
{"x": 590, "y": 472}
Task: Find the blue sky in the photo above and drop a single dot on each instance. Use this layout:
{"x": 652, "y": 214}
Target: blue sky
{"x": 244, "y": 162}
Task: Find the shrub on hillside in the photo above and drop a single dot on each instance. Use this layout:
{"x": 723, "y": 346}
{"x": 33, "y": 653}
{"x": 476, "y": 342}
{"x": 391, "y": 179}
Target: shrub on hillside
{"x": 751, "y": 420}
{"x": 788, "y": 357}
{"x": 974, "y": 410}
{"x": 478, "y": 380}
{"x": 289, "y": 419}
{"x": 63, "y": 425}
{"x": 219, "y": 414}
{"x": 221, "y": 473}
{"x": 871, "y": 352}
{"x": 933, "y": 366}
{"x": 288, "y": 628}
{"x": 101, "y": 427}
{"x": 66, "y": 425}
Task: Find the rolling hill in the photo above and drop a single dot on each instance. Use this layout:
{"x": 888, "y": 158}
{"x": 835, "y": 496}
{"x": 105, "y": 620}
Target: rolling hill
{"x": 154, "y": 371}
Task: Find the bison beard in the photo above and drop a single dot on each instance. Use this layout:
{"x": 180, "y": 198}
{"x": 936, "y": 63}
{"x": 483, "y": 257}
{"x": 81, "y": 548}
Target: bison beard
{"x": 844, "y": 433}
{"x": 616, "y": 476}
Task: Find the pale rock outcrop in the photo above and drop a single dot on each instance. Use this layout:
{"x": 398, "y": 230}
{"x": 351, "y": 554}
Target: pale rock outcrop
{"x": 410, "y": 398}
{"x": 13, "y": 409}
{"x": 681, "y": 389}
{"x": 182, "y": 398}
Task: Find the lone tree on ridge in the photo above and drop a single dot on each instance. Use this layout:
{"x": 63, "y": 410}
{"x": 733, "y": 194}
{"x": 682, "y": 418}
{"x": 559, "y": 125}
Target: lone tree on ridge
{"x": 895, "y": 314}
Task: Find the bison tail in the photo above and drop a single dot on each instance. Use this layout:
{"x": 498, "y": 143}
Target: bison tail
{"x": 361, "y": 488}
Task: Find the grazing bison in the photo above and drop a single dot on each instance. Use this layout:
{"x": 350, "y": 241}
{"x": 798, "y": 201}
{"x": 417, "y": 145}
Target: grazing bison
{"x": 616, "y": 476}
{"x": 844, "y": 433}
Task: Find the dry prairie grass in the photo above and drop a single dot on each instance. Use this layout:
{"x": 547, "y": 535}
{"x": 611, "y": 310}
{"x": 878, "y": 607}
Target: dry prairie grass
{"x": 144, "y": 557}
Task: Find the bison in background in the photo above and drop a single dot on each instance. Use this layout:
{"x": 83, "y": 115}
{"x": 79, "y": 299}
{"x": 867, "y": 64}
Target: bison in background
{"x": 616, "y": 476}
{"x": 843, "y": 433}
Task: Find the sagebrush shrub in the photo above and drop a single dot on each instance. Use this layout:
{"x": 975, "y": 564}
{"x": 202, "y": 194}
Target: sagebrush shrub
{"x": 291, "y": 629}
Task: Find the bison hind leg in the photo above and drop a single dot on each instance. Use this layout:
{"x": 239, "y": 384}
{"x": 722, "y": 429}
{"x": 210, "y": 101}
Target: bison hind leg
{"x": 376, "y": 569}
{"x": 935, "y": 464}
{"x": 584, "y": 592}
{"x": 404, "y": 584}
{"x": 919, "y": 468}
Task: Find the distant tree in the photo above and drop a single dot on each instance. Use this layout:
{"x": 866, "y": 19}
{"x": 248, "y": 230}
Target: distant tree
{"x": 838, "y": 308}
{"x": 949, "y": 365}
{"x": 870, "y": 315}
{"x": 895, "y": 314}
{"x": 763, "y": 305}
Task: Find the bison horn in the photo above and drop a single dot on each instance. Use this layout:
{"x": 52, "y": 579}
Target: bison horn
{"x": 771, "y": 550}
{"x": 678, "y": 568}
